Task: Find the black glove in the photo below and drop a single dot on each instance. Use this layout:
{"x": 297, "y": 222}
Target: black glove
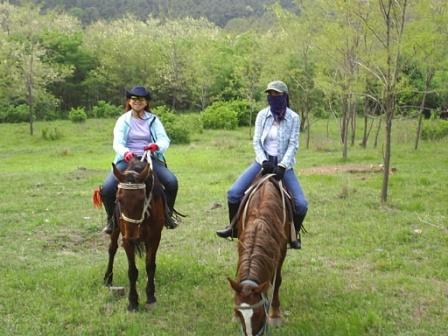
{"x": 267, "y": 167}
{"x": 279, "y": 172}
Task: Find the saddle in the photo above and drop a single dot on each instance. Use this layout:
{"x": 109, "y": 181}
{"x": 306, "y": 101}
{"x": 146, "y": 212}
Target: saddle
{"x": 288, "y": 204}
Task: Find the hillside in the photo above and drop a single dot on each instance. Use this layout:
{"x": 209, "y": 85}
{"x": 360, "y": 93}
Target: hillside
{"x": 217, "y": 11}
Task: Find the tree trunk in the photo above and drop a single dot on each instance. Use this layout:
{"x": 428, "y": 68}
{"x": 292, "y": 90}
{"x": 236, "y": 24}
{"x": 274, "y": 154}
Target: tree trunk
{"x": 388, "y": 145}
{"x": 29, "y": 87}
{"x": 429, "y": 75}
{"x": 344, "y": 131}
{"x": 366, "y": 122}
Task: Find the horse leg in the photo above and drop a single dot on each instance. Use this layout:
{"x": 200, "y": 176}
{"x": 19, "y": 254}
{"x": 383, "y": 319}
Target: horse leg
{"x": 113, "y": 246}
{"x": 151, "y": 251}
{"x": 275, "y": 317}
{"x": 150, "y": 271}
{"x": 132, "y": 275}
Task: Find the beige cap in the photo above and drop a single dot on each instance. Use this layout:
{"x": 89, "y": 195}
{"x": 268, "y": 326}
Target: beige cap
{"x": 278, "y": 86}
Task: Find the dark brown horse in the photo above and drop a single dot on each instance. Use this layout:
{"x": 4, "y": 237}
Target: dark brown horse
{"x": 264, "y": 222}
{"x": 140, "y": 212}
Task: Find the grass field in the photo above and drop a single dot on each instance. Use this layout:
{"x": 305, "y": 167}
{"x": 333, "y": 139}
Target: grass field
{"x": 365, "y": 269}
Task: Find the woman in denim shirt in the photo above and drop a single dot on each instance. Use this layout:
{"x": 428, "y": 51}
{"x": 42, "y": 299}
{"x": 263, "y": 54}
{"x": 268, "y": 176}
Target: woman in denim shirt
{"x": 135, "y": 132}
{"x": 275, "y": 141}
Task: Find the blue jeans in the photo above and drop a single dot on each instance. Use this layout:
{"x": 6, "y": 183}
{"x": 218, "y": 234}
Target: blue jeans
{"x": 236, "y": 191}
{"x": 165, "y": 176}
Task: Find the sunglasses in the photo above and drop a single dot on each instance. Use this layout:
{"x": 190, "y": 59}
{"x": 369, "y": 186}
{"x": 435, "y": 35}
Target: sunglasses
{"x": 135, "y": 98}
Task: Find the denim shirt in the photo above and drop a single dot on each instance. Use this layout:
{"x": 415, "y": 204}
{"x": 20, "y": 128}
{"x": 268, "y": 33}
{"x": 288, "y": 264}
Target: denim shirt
{"x": 121, "y": 131}
{"x": 288, "y": 136}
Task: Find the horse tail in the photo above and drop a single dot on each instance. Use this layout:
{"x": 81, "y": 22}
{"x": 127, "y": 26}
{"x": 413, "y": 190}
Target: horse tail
{"x": 96, "y": 198}
{"x": 139, "y": 246}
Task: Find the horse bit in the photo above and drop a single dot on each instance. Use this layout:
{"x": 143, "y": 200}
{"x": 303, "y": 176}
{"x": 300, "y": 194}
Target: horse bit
{"x": 139, "y": 186}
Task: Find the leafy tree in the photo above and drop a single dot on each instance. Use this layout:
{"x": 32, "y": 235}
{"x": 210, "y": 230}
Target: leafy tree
{"x": 28, "y": 74}
{"x": 426, "y": 44}
{"x": 387, "y": 29}
{"x": 65, "y": 48}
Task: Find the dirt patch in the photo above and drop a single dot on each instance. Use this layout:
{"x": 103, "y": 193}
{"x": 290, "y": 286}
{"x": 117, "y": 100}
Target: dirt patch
{"x": 352, "y": 169}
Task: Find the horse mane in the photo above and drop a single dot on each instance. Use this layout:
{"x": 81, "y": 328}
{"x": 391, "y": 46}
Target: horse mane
{"x": 263, "y": 237}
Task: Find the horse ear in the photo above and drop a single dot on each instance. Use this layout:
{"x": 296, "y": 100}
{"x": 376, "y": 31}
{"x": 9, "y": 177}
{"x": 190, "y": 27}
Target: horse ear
{"x": 117, "y": 173}
{"x": 262, "y": 288}
{"x": 235, "y": 285}
{"x": 144, "y": 174}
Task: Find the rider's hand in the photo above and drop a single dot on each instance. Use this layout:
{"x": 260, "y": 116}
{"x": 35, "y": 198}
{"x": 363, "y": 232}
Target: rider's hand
{"x": 152, "y": 147}
{"x": 267, "y": 167}
{"x": 128, "y": 156}
{"x": 279, "y": 172}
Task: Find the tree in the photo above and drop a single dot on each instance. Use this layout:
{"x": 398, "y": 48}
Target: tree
{"x": 426, "y": 44}
{"x": 386, "y": 26}
{"x": 29, "y": 75}
{"x": 339, "y": 48}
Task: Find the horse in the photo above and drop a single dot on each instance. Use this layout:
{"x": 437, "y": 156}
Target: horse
{"x": 264, "y": 222}
{"x": 141, "y": 213}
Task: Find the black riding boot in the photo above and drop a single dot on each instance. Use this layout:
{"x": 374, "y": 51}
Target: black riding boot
{"x": 298, "y": 223}
{"x": 230, "y": 231}
{"x": 172, "y": 220}
{"x": 110, "y": 225}
{"x": 109, "y": 206}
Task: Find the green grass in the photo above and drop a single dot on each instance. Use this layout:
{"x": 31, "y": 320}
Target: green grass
{"x": 365, "y": 269}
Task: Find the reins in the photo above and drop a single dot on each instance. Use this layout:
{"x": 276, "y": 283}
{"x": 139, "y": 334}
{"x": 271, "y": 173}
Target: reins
{"x": 139, "y": 186}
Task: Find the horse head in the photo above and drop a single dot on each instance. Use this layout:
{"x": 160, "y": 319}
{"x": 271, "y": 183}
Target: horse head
{"x": 251, "y": 306}
{"x": 133, "y": 196}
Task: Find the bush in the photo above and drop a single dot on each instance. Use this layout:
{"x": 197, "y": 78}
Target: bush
{"x": 242, "y": 109}
{"x": 51, "y": 134}
{"x": 165, "y": 114}
{"x": 175, "y": 129}
{"x": 192, "y": 122}
{"x": 177, "y": 133}
{"x": 435, "y": 129}
{"x": 105, "y": 110}
{"x": 15, "y": 114}
{"x": 220, "y": 115}
{"x": 77, "y": 115}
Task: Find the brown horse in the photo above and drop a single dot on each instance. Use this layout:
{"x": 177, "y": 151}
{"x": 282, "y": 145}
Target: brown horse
{"x": 263, "y": 221}
{"x": 140, "y": 212}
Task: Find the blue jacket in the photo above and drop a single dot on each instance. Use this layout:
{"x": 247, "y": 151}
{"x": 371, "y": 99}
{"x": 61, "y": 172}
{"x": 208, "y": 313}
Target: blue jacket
{"x": 121, "y": 131}
{"x": 288, "y": 136}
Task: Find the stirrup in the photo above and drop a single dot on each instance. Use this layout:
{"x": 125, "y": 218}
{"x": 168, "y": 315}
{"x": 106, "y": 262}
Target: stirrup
{"x": 109, "y": 228}
{"x": 172, "y": 221}
{"x": 296, "y": 244}
{"x": 228, "y": 232}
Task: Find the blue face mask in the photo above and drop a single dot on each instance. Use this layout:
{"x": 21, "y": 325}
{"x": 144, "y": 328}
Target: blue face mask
{"x": 278, "y": 106}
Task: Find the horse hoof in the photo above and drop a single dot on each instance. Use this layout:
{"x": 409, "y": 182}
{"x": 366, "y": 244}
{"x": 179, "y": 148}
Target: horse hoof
{"x": 117, "y": 291}
{"x": 275, "y": 321}
{"x": 150, "y": 306}
{"x": 132, "y": 308}
{"x": 107, "y": 280}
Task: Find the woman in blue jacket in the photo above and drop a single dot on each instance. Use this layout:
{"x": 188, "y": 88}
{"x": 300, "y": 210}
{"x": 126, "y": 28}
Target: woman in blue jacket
{"x": 135, "y": 132}
{"x": 275, "y": 142}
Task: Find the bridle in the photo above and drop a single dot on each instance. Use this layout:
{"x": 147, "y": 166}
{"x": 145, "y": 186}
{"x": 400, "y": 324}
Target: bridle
{"x": 139, "y": 186}
{"x": 264, "y": 302}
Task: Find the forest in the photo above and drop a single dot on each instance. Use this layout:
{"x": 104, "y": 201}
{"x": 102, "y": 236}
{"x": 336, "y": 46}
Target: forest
{"x": 376, "y": 59}
{"x": 218, "y": 12}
